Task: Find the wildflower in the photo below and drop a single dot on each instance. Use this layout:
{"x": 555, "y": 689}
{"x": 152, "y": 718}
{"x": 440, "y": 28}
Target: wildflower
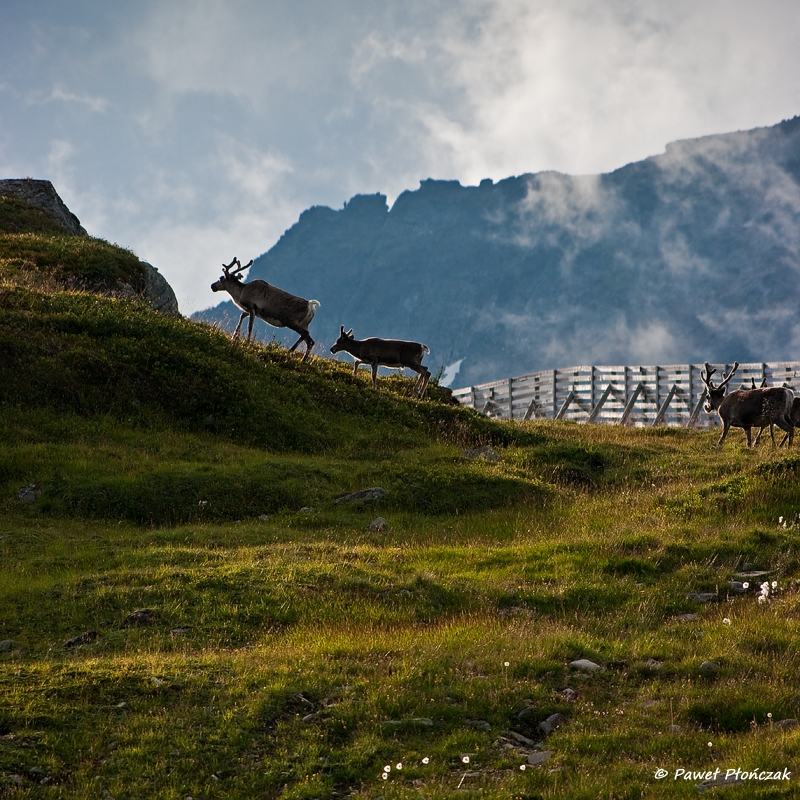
{"x": 762, "y": 599}
{"x": 399, "y": 765}
{"x": 465, "y": 759}
{"x": 774, "y": 584}
{"x": 506, "y": 664}
{"x": 746, "y": 585}
{"x": 426, "y": 760}
{"x": 780, "y": 520}
{"x": 769, "y": 715}
{"x": 710, "y": 744}
{"x": 522, "y": 767}
{"x": 385, "y": 775}
{"x": 387, "y": 768}
{"x": 726, "y": 621}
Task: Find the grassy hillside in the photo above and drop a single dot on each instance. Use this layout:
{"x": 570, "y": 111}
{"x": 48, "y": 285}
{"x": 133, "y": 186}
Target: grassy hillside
{"x": 286, "y": 648}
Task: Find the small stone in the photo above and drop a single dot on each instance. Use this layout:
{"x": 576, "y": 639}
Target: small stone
{"x": 122, "y": 706}
{"x": 479, "y": 724}
{"x": 417, "y": 722}
{"x": 570, "y": 695}
{"x": 144, "y": 616}
{"x": 535, "y": 759}
{"x": 519, "y": 738}
{"x": 702, "y": 597}
{"x": 721, "y": 780}
{"x": 787, "y": 723}
{"x": 688, "y": 618}
{"x": 364, "y": 496}
{"x": 157, "y": 681}
{"x": 36, "y": 772}
{"x": 378, "y": 524}
{"x": 29, "y": 493}
{"x": 585, "y": 665}
{"x": 553, "y": 722}
{"x": 6, "y": 645}
{"x": 485, "y": 453}
{"x": 309, "y": 717}
{"x": 84, "y": 638}
{"x": 653, "y": 663}
{"x": 264, "y": 517}
{"x": 527, "y": 714}
{"x": 737, "y": 587}
{"x": 752, "y": 575}
{"x": 709, "y": 667}
{"x": 674, "y": 728}
{"x": 306, "y": 510}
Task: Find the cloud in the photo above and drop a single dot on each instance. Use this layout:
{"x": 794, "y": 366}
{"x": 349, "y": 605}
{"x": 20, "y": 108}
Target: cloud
{"x": 59, "y": 93}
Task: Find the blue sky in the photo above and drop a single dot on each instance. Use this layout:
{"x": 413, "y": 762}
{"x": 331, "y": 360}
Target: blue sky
{"x": 197, "y": 130}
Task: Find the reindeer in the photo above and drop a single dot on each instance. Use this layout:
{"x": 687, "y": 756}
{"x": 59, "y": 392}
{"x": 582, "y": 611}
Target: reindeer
{"x": 260, "y": 299}
{"x": 385, "y": 353}
{"x": 747, "y": 408}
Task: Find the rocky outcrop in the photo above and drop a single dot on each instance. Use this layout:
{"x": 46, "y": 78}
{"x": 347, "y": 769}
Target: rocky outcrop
{"x": 159, "y": 292}
{"x": 43, "y": 195}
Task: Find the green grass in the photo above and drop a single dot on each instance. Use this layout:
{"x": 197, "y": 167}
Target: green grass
{"x": 293, "y": 652}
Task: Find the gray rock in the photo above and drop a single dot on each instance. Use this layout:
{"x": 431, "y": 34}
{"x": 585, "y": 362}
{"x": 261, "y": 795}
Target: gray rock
{"x": 519, "y": 738}
{"x": 528, "y": 714}
{"x": 752, "y": 575}
{"x": 688, "y": 618}
{"x": 570, "y": 695}
{"x": 553, "y": 722}
{"x": 364, "y": 496}
{"x": 702, "y": 597}
{"x": 709, "y": 667}
{"x": 485, "y": 453}
{"x": 585, "y": 665}
{"x": 535, "y": 759}
{"x": 6, "y": 645}
{"x": 378, "y": 524}
{"x": 737, "y": 587}
{"x": 29, "y": 493}
{"x": 43, "y": 195}
{"x": 84, "y": 638}
{"x": 158, "y": 292}
{"x": 264, "y": 517}
{"x": 306, "y": 510}
{"x": 180, "y": 631}
{"x": 479, "y": 724}
{"x": 719, "y": 781}
{"x": 415, "y": 722}
{"x": 144, "y": 616}
{"x": 787, "y": 723}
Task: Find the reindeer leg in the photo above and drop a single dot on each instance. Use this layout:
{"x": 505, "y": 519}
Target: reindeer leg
{"x": 748, "y": 434}
{"x": 375, "y": 375}
{"x": 239, "y": 326}
{"x": 309, "y": 346}
{"x": 250, "y": 325}
{"x": 725, "y": 428}
{"x": 772, "y": 433}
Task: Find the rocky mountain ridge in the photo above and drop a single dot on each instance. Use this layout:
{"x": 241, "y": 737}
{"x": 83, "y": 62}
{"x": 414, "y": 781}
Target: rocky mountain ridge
{"x": 690, "y": 255}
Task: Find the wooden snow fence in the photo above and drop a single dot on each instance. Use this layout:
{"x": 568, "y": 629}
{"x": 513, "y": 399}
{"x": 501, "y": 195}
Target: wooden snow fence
{"x": 638, "y": 396}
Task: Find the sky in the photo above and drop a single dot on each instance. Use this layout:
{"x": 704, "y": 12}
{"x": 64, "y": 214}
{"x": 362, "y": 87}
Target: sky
{"x": 193, "y": 131}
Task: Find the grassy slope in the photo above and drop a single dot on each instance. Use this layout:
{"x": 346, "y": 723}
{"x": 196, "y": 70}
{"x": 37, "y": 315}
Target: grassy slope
{"x": 289, "y": 656}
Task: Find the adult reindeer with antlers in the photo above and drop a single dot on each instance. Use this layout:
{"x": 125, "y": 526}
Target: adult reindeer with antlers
{"x": 260, "y": 299}
{"x": 747, "y": 408}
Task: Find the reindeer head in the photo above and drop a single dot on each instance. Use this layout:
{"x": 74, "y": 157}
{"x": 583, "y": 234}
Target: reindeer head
{"x": 229, "y": 275}
{"x": 344, "y": 338}
{"x": 715, "y": 394}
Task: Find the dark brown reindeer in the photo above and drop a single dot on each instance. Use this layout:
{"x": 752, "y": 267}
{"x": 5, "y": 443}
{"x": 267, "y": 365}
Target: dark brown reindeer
{"x": 273, "y": 305}
{"x": 747, "y": 408}
{"x": 385, "y": 353}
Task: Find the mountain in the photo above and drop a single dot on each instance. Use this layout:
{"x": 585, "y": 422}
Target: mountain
{"x": 687, "y": 256}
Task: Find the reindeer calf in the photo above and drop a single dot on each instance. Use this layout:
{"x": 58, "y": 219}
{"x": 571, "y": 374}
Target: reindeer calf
{"x": 385, "y": 353}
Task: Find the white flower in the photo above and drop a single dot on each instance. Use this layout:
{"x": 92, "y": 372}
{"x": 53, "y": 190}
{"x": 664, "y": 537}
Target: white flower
{"x": 426, "y": 760}
{"x": 465, "y": 759}
{"x": 387, "y": 768}
{"x": 399, "y": 765}
{"x": 780, "y": 520}
{"x": 762, "y": 599}
{"x": 522, "y": 767}
{"x": 774, "y": 584}
{"x": 710, "y": 744}
{"x": 769, "y": 715}
{"x": 746, "y": 585}
{"x": 726, "y": 621}
{"x": 385, "y": 775}
{"x": 505, "y": 664}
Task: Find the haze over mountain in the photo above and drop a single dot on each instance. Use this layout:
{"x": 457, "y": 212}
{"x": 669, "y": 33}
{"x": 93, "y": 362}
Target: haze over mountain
{"x": 690, "y": 255}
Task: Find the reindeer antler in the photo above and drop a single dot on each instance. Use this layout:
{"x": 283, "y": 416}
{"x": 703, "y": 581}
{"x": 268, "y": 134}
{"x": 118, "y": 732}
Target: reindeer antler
{"x": 727, "y": 377}
{"x": 707, "y": 378}
{"x": 226, "y": 267}
{"x": 240, "y": 268}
